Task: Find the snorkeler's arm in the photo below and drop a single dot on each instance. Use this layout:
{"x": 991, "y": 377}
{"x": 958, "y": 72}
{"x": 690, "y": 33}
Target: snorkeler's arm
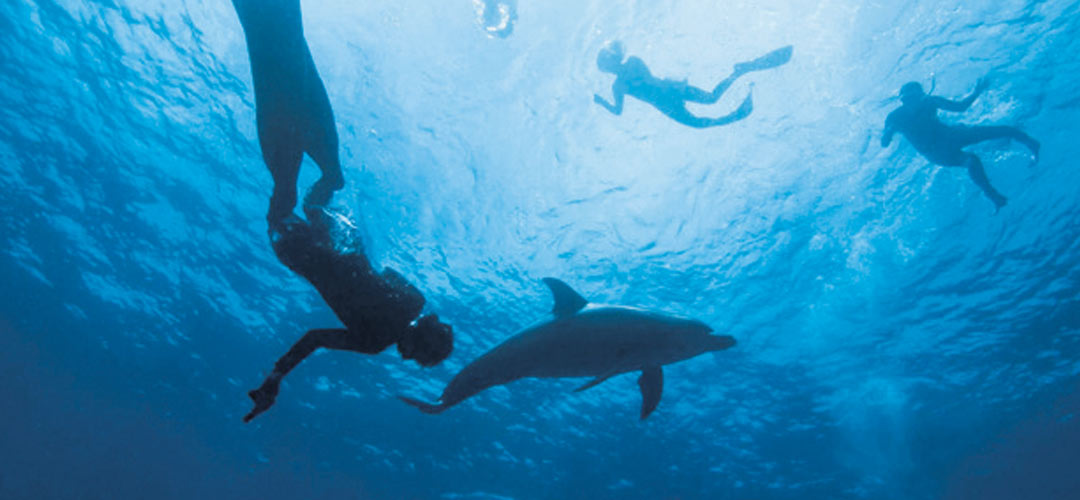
{"x": 619, "y": 93}
{"x": 890, "y": 129}
{"x": 964, "y": 104}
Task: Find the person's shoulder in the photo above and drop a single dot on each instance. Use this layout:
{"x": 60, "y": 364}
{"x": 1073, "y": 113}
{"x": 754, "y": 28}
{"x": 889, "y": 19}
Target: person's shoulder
{"x": 635, "y": 65}
{"x": 898, "y": 115}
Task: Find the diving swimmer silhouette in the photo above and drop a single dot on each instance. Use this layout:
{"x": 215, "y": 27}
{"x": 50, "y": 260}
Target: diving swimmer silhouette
{"x": 292, "y": 110}
{"x": 917, "y": 120}
{"x": 293, "y": 117}
{"x": 377, "y": 309}
{"x": 632, "y": 77}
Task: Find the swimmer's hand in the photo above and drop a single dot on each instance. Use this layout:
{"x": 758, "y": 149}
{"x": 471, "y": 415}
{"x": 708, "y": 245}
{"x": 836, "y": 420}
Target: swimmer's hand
{"x": 599, "y": 100}
{"x": 982, "y": 85}
{"x": 263, "y": 397}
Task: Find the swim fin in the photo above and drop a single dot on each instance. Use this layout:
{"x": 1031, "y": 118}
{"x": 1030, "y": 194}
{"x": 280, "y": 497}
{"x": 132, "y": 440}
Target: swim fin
{"x": 778, "y": 57}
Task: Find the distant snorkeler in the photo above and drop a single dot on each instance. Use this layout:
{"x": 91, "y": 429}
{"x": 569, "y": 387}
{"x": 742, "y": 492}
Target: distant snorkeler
{"x": 670, "y": 96}
{"x": 292, "y": 109}
{"x": 377, "y": 309}
{"x": 917, "y": 120}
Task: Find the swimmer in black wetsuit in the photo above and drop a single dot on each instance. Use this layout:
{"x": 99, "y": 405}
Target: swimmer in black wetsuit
{"x": 377, "y": 308}
{"x": 292, "y": 109}
{"x": 670, "y": 96}
{"x": 293, "y": 117}
{"x": 917, "y": 120}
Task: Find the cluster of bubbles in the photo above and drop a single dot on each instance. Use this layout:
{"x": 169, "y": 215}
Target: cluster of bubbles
{"x": 496, "y": 17}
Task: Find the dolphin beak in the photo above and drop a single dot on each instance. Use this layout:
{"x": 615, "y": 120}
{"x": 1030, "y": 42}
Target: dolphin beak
{"x": 722, "y": 342}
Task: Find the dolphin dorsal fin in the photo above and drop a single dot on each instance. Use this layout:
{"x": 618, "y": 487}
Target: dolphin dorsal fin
{"x": 567, "y": 301}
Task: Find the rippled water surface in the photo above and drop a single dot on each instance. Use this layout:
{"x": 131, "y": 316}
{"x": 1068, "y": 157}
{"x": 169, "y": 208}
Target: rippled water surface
{"x": 897, "y": 339}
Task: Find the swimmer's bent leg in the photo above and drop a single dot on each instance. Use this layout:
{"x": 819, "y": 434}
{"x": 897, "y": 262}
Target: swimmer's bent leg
{"x": 332, "y": 179}
{"x": 973, "y": 135}
{"x": 978, "y": 174}
{"x": 284, "y": 168}
{"x": 323, "y": 149}
{"x": 265, "y": 395}
{"x": 684, "y": 117}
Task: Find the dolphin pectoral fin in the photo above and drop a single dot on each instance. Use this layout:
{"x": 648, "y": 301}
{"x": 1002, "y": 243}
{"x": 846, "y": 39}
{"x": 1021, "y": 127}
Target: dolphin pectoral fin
{"x": 651, "y": 383}
{"x": 567, "y": 301}
{"x": 424, "y": 407}
{"x": 594, "y": 382}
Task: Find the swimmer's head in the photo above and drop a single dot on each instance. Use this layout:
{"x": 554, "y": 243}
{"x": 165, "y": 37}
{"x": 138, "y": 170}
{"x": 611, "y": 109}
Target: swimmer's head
{"x": 611, "y": 56}
{"x": 428, "y": 341}
{"x": 911, "y": 92}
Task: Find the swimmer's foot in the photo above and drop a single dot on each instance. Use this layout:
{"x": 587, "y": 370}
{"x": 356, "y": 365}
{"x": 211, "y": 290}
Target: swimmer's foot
{"x": 263, "y": 397}
{"x": 999, "y": 203}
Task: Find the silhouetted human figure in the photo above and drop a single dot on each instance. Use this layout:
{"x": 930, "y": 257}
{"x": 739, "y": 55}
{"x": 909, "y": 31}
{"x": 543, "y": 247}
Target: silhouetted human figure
{"x": 294, "y": 117}
{"x": 632, "y": 77}
{"x": 377, "y": 309}
{"x": 917, "y": 120}
{"x": 292, "y": 109}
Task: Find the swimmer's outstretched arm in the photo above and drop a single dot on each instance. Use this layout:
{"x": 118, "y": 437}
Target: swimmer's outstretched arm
{"x": 964, "y": 104}
{"x": 618, "y": 90}
{"x": 264, "y": 396}
{"x": 890, "y": 129}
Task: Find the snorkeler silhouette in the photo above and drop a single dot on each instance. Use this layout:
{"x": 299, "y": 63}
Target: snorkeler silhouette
{"x": 293, "y": 117}
{"x": 917, "y": 120}
{"x": 292, "y": 109}
{"x": 632, "y": 77}
{"x": 378, "y": 309}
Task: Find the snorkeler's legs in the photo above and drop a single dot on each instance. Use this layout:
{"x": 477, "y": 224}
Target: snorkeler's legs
{"x": 264, "y": 396}
{"x": 722, "y": 87}
{"x": 332, "y": 179}
{"x": 684, "y": 117}
{"x": 322, "y": 145}
{"x": 284, "y": 168}
{"x": 978, "y": 174}
{"x": 972, "y": 135}
{"x": 691, "y": 93}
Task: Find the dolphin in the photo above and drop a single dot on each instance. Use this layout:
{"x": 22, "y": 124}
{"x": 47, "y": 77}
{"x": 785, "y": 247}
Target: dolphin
{"x": 580, "y": 339}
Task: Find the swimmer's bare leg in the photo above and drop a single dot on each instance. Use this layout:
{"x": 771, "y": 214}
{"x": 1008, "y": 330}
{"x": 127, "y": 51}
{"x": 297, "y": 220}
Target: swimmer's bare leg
{"x": 332, "y": 179}
{"x": 978, "y": 174}
{"x": 722, "y": 87}
{"x": 684, "y": 117}
{"x": 285, "y": 168}
{"x": 264, "y": 396}
{"x": 691, "y": 93}
{"x": 980, "y": 134}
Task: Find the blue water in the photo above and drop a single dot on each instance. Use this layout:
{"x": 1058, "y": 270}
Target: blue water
{"x": 897, "y": 340}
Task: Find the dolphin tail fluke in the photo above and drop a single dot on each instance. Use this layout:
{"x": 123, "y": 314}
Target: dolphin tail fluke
{"x": 651, "y": 383}
{"x": 424, "y": 407}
